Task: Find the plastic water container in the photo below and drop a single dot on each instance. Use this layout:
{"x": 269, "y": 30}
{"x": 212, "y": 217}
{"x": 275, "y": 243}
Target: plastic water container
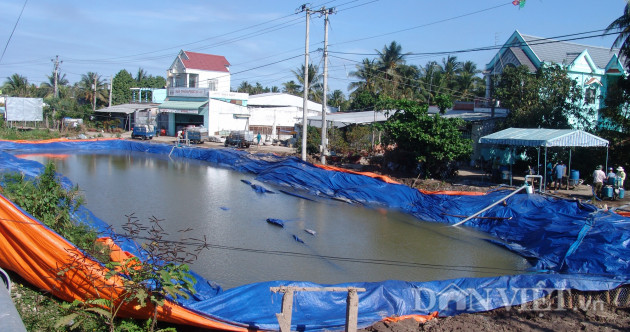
{"x": 621, "y": 192}
{"x": 575, "y": 175}
{"x": 505, "y": 175}
{"x": 607, "y": 192}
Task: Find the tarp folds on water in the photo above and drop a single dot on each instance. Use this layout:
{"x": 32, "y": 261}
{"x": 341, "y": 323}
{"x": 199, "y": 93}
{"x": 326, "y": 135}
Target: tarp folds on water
{"x": 571, "y": 245}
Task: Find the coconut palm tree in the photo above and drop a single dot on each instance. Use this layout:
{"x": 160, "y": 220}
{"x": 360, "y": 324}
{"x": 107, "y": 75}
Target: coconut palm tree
{"x": 92, "y": 88}
{"x": 17, "y": 86}
{"x": 431, "y": 81}
{"x": 468, "y": 81}
{"x": 315, "y": 86}
{"x": 291, "y": 88}
{"x": 450, "y": 70}
{"x": 336, "y": 99}
{"x": 367, "y": 73}
{"x": 622, "y": 24}
{"x": 49, "y": 87}
{"x": 389, "y": 59}
{"x": 141, "y": 76}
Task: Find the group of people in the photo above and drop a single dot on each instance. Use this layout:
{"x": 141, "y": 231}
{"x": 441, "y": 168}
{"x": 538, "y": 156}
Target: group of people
{"x": 611, "y": 178}
{"x": 556, "y": 174}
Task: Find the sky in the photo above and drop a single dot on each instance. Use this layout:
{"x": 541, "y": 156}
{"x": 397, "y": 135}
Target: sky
{"x": 264, "y": 41}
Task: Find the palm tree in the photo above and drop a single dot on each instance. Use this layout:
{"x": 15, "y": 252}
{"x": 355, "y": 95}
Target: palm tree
{"x": 622, "y": 23}
{"x": 408, "y": 87}
{"x": 49, "y": 87}
{"x": 431, "y": 80}
{"x": 389, "y": 59}
{"x": 291, "y": 88}
{"x": 141, "y": 76}
{"x": 315, "y": 86}
{"x": 367, "y": 73}
{"x": 91, "y": 88}
{"x": 450, "y": 69}
{"x": 244, "y": 87}
{"x": 17, "y": 86}
{"x": 467, "y": 80}
{"x": 336, "y": 99}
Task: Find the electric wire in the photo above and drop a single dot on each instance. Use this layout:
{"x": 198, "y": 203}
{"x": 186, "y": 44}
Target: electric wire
{"x": 13, "y": 31}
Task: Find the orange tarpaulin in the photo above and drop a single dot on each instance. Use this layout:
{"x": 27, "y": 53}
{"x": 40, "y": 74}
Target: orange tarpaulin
{"x": 53, "y": 140}
{"x": 38, "y": 254}
{"x": 417, "y": 318}
{"x": 387, "y": 179}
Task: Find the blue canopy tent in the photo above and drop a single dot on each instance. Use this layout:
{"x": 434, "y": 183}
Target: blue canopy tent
{"x": 539, "y": 137}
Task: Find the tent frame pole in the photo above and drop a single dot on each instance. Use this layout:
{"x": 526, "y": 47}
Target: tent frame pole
{"x": 545, "y": 184}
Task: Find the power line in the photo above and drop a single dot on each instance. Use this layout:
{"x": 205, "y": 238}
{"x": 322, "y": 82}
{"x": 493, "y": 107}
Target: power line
{"x": 12, "y": 31}
{"x": 427, "y": 24}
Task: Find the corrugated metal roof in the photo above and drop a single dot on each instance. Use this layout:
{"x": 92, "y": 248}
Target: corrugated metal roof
{"x": 550, "y": 50}
{"x": 126, "y": 108}
{"x": 523, "y": 59}
{"x": 543, "y": 137}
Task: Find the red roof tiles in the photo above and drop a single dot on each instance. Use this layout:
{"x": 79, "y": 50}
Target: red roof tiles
{"x": 205, "y": 61}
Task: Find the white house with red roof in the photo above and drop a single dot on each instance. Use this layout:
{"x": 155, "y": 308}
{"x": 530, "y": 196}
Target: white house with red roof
{"x": 199, "y": 70}
{"x": 198, "y": 94}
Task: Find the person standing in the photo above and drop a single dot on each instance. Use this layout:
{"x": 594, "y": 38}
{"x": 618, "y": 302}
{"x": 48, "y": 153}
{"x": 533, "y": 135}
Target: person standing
{"x": 610, "y": 177}
{"x": 621, "y": 176}
{"x": 558, "y": 174}
{"x": 258, "y": 137}
{"x": 598, "y": 180}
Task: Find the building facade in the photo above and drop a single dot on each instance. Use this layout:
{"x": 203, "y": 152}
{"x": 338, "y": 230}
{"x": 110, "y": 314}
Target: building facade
{"x": 199, "y": 70}
{"x": 593, "y": 68}
{"x": 275, "y": 115}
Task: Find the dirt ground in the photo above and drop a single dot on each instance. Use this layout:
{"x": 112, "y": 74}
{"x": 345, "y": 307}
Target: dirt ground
{"x": 602, "y": 318}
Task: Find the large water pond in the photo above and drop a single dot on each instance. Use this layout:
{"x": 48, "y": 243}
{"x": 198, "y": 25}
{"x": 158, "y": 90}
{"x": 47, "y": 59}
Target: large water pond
{"x": 351, "y": 243}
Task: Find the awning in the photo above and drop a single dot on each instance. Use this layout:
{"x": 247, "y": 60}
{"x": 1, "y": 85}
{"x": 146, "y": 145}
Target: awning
{"x": 593, "y": 80}
{"x": 543, "y": 137}
{"x": 178, "y": 106}
{"x": 126, "y": 108}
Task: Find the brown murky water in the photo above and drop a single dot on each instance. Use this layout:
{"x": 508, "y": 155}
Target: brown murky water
{"x": 351, "y": 243}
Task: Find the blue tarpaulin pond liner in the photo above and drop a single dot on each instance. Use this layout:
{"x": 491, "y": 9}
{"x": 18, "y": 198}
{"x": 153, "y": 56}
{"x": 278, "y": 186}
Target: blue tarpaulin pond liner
{"x": 570, "y": 245}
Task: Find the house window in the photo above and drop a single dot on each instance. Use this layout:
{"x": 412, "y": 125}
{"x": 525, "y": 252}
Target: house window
{"x": 212, "y": 84}
{"x": 589, "y": 96}
{"x": 193, "y": 81}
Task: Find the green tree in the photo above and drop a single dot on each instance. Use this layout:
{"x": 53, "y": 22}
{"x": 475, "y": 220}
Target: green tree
{"x": 337, "y": 99}
{"x": 17, "y": 86}
{"x": 548, "y": 98}
{"x": 315, "y": 86}
{"x": 364, "y": 100}
{"x": 121, "y": 88}
{"x": 469, "y": 85}
{"x": 388, "y": 63}
{"x": 622, "y": 24}
{"x": 49, "y": 87}
{"x": 443, "y": 102}
{"x": 431, "y": 80}
{"x": 367, "y": 73}
{"x": 92, "y": 89}
{"x": 450, "y": 71}
{"x": 433, "y": 141}
{"x": 291, "y": 88}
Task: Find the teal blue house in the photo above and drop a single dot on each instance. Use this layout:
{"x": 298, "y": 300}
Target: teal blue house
{"x": 594, "y": 68}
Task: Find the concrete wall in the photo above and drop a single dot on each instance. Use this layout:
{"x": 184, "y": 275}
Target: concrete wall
{"x": 222, "y": 117}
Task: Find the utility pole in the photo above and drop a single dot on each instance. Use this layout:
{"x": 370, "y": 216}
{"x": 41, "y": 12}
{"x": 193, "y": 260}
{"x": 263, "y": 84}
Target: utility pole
{"x": 94, "y": 93}
{"x": 325, "y": 97}
{"x": 304, "y": 8}
{"x": 111, "y": 84}
{"x": 56, "y": 75}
